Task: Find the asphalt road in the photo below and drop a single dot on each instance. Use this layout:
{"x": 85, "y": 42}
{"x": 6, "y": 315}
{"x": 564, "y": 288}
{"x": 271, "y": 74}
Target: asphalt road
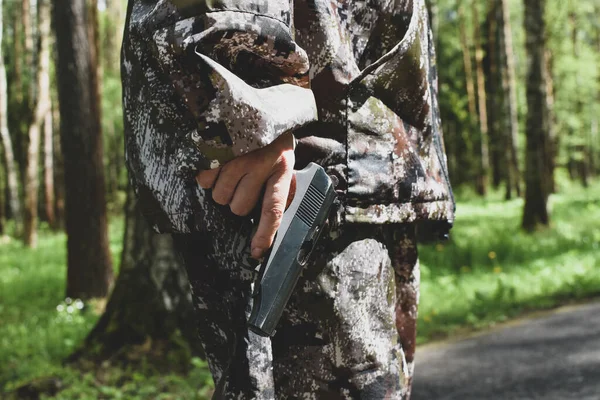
{"x": 554, "y": 357}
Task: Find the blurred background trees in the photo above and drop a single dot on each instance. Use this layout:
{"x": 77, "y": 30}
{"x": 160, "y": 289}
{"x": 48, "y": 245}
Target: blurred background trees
{"x": 483, "y": 67}
{"x": 519, "y": 96}
{"x": 484, "y": 80}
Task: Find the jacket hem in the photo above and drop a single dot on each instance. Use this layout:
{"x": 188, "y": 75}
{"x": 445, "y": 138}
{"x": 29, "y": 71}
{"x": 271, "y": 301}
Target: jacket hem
{"x": 442, "y": 210}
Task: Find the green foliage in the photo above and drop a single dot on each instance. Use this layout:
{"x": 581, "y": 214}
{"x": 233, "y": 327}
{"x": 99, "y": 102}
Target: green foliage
{"x": 36, "y": 323}
{"x": 573, "y": 45}
{"x": 574, "y": 40}
{"x": 139, "y": 384}
{"x": 491, "y": 270}
{"x": 39, "y": 329}
{"x": 118, "y": 383}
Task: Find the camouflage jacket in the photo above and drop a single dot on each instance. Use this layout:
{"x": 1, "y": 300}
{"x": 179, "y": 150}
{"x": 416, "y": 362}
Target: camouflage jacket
{"x": 207, "y": 80}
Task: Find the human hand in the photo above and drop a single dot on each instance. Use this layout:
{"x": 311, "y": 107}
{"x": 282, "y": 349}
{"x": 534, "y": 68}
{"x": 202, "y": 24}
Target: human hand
{"x": 239, "y": 183}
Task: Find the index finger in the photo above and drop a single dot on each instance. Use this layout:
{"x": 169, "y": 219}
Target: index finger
{"x": 206, "y": 179}
{"x": 273, "y": 207}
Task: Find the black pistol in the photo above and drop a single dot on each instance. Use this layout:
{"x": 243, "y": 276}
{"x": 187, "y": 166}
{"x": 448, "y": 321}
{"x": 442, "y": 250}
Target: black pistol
{"x": 300, "y": 228}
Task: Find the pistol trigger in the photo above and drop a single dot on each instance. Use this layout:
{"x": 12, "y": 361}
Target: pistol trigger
{"x": 304, "y": 252}
{"x": 316, "y": 232}
{"x": 256, "y": 290}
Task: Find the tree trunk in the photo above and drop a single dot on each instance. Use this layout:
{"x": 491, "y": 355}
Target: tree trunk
{"x": 482, "y": 106}
{"x": 579, "y": 163}
{"x": 49, "y": 169}
{"x": 2, "y": 202}
{"x": 59, "y": 172}
{"x": 510, "y": 96}
{"x": 41, "y": 109}
{"x": 18, "y": 56}
{"x": 28, "y": 34}
{"x": 95, "y": 64}
{"x": 552, "y": 135}
{"x": 537, "y": 191}
{"x": 31, "y": 64}
{"x": 89, "y": 269}
{"x": 151, "y": 302}
{"x": 12, "y": 178}
{"x": 494, "y": 97}
{"x": 466, "y": 50}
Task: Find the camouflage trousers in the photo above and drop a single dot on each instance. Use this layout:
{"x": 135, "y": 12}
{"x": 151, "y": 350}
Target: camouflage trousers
{"x": 348, "y": 331}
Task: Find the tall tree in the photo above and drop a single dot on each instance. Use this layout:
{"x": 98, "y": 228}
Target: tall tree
{"x": 2, "y": 193}
{"x": 12, "y": 180}
{"x": 95, "y": 64}
{"x": 41, "y": 109}
{"x": 509, "y": 84}
{"x": 89, "y": 271}
{"x": 494, "y": 94}
{"x": 577, "y": 156}
{"x": 482, "y": 105}
{"x": 466, "y": 51}
{"x": 151, "y": 277}
{"x": 49, "y": 169}
{"x": 59, "y": 171}
{"x": 27, "y": 31}
{"x": 18, "y": 55}
{"x": 553, "y": 141}
{"x": 537, "y": 191}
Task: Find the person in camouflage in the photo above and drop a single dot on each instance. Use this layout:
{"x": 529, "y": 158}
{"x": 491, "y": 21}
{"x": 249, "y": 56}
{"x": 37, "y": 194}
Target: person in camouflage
{"x": 211, "y": 89}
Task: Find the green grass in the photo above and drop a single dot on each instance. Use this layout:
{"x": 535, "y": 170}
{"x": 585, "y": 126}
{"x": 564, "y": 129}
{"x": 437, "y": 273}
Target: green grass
{"x": 39, "y": 328}
{"x": 490, "y": 271}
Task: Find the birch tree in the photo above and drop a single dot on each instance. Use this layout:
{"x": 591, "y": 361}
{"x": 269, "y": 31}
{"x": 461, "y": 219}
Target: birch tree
{"x": 41, "y": 109}
{"x": 12, "y": 178}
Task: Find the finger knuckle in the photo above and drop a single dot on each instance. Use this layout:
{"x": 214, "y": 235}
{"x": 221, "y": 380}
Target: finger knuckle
{"x": 239, "y": 209}
{"x": 262, "y": 241}
{"x": 274, "y": 212}
{"x": 235, "y": 166}
{"x": 204, "y": 181}
{"x": 220, "y": 197}
{"x": 224, "y": 190}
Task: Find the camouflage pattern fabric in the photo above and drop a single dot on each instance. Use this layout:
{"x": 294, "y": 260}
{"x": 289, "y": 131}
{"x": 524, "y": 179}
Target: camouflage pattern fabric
{"x": 348, "y": 331}
{"x": 355, "y": 81}
{"x": 208, "y": 80}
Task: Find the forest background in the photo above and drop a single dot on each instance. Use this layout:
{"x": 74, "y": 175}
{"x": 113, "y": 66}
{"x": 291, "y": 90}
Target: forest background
{"x": 94, "y": 305}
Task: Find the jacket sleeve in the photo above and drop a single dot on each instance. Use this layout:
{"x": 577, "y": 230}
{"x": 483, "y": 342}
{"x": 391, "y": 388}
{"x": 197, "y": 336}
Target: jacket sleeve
{"x": 237, "y": 69}
{"x": 204, "y": 81}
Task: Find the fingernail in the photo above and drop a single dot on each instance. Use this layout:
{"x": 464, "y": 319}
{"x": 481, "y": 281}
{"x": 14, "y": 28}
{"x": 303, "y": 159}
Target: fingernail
{"x": 257, "y": 252}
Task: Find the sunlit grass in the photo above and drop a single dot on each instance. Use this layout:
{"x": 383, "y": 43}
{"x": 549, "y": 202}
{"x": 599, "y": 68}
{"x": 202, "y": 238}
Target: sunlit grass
{"x": 488, "y": 272}
{"x": 39, "y": 328}
{"x": 491, "y": 270}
